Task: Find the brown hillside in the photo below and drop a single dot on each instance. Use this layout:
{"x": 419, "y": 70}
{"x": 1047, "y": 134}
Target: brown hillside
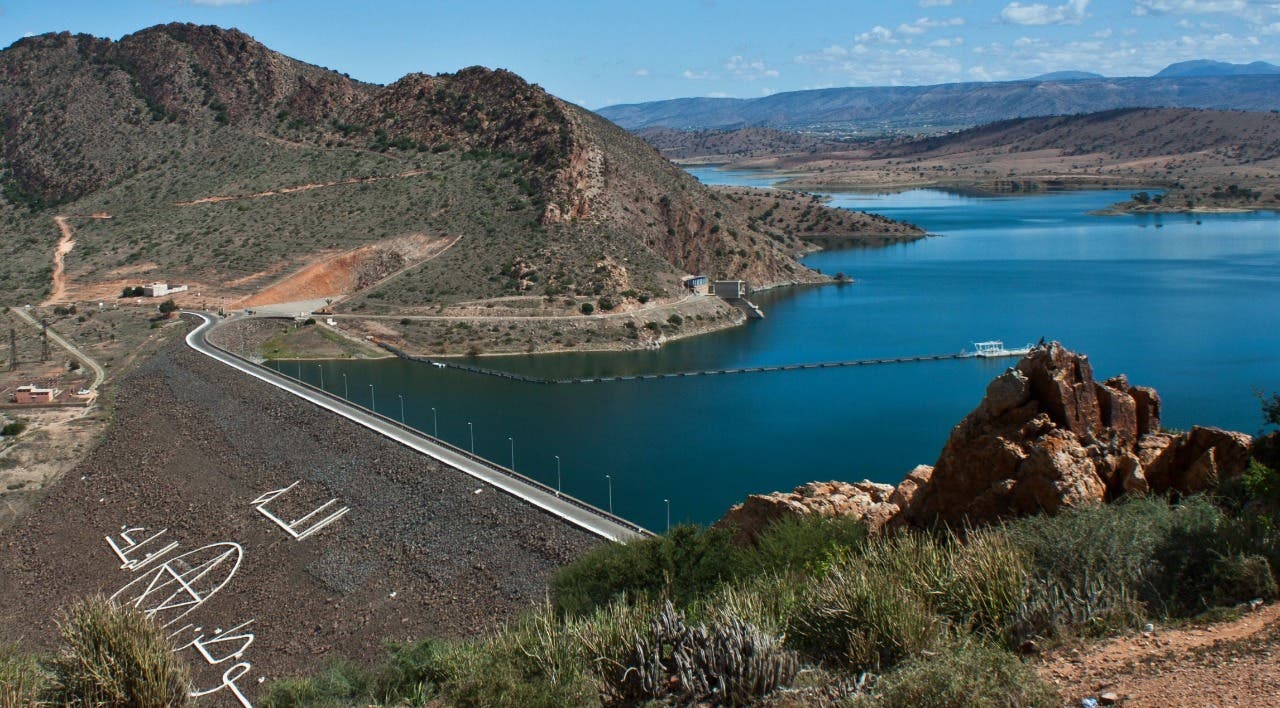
{"x": 1204, "y": 159}
{"x": 157, "y": 127}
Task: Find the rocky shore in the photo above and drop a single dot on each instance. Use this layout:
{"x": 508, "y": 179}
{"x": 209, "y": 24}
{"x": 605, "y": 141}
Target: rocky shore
{"x": 1045, "y": 436}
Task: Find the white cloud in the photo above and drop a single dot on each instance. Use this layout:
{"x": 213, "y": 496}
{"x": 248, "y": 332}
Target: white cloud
{"x": 717, "y": 94}
{"x": 1253, "y": 11}
{"x": 1160, "y": 7}
{"x": 884, "y": 64}
{"x": 877, "y": 34}
{"x": 935, "y": 3}
{"x": 1102, "y": 33}
{"x": 749, "y": 69}
{"x": 924, "y": 24}
{"x": 1273, "y": 28}
{"x": 697, "y": 75}
{"x": 1070, "y": 13}
{"x": 221, "y": 3}
{"x": 945, "y": 42}
{"x": 641, "y": 72}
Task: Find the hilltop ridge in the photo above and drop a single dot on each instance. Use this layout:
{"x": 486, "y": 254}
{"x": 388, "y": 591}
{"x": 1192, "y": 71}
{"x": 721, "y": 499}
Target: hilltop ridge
{"x": 230, "y": 167}
{"x": 894, "y": 110}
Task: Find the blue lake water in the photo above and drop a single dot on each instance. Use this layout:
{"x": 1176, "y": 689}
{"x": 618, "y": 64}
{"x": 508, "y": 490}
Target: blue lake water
{"x": 1186, "y": 304}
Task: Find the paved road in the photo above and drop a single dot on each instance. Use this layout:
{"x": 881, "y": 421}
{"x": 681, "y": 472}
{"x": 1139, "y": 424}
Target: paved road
{"x": 98, "y": 372}
{"x": 579, "y": 513}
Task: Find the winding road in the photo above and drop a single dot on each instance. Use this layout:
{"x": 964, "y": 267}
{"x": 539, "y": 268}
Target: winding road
{"x": 579, "y": 513}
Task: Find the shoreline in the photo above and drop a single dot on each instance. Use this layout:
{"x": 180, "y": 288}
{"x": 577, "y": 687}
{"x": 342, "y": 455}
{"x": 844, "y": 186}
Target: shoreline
{"x": 1005, "y": 186}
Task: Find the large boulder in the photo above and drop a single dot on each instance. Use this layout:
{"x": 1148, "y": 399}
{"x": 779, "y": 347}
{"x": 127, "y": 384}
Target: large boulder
{"x": 1047, "y": 436}
{"x": 862, "y": 500}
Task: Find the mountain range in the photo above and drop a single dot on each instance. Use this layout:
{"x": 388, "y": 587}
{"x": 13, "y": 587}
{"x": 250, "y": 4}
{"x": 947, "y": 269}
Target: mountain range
{"x": 937, "y": 108}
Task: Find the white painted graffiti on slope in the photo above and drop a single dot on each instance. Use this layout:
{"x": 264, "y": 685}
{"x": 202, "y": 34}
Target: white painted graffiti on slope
{"x": 229, "y": 678}
{"x": 207, "y": 646}
{"x": 212, "y": 651}
{"x": 131, "y": 552}
{"x": 182, "y": 584}
{"x": 297, "y": 528}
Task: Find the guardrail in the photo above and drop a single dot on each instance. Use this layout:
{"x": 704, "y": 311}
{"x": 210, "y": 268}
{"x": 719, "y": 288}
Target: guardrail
{"x": 488, "y": 464}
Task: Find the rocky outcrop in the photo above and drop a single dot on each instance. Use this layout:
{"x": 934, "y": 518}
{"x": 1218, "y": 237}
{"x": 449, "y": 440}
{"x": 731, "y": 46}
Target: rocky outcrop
{"x": 863, "y": 500}
{"x": 1045, "y": 437}
{"x": 1048, "y": 436}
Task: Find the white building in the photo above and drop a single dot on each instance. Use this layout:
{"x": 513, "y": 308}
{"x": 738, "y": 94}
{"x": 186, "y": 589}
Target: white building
{"x": 162, "y": 289}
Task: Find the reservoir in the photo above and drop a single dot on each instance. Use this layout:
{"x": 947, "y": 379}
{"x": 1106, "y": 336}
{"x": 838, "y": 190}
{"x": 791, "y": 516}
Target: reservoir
{"x": 1187, "y": 304}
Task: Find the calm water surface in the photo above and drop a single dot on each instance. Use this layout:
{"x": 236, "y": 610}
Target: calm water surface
{"x": 1186, "y": 304}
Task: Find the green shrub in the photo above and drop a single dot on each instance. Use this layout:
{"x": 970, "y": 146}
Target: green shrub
{"x": 1090, "y": 566}
{"x": 1101, "y": 568}
{"x": 587, "y": 308}
{"x": 682, "y": 564}
{"x": 535, "y": 662}
{"x": 116, "y": 656}
{"x": 339, "y": 683}
{"x": 964, "y": 674}
{"x": 414, "y": 669}
{"x": 801, "y": 543}
{"x": 22, "y": 679}
{"x": 892, "y": 598}
{"x": 987, "y": 582}
{"x": 13, "y": 429}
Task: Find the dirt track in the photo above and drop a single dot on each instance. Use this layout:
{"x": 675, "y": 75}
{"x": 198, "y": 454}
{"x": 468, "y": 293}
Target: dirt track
{"x": 420, "y": 553}
{"x": 1228, "y": 664}
{"x": 66, "y": 242}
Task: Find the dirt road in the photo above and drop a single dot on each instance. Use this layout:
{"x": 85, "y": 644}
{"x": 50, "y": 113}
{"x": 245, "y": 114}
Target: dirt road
{"x": 1228, "y": 664}
{"x": 67, "y": 242}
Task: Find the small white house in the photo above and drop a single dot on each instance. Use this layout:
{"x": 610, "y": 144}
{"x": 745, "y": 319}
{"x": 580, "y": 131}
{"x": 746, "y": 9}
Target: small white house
{"x": 162, "y": 289}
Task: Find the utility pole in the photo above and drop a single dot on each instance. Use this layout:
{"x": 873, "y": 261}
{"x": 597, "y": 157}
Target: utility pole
{"x": 13, "y": 349}
{"x": 44, "y": 340}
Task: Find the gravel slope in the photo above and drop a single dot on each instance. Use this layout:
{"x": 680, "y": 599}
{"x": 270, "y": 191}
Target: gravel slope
{"x": 193, "y": 444}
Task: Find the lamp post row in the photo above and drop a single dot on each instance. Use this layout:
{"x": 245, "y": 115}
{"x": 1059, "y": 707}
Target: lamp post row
{"x": 435, "y": 427}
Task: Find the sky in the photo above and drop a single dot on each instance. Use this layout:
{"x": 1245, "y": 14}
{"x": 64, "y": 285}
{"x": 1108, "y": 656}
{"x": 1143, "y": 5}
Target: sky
{"x": 619, "y": 51}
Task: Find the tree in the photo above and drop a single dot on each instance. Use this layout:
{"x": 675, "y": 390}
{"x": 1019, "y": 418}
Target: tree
{"x": 587, "y": 308}
{"x": 168, "y": 306}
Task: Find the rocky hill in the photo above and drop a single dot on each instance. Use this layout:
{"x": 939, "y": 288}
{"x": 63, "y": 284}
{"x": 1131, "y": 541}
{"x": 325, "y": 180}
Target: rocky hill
{"x": 228, "y": 166}
{"x": 1202, "y": 159}
{"x": 925, "y": 109}
{"x": 1235, "y": 136}
{"x": 713, "y": 146}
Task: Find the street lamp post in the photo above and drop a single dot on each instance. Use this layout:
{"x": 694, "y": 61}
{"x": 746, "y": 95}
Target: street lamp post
{"x": 513, "y": 453}
{"x": 401, "y": 395}
{"x": 373, "y": 402}
{"x": 609, "y": 480}
{"x": 668, "y": 503}
{"x": 321, "y": 370}
{"x": 345, "y": 393}
{"x": 299, "y": 371}
{"x": 435, "y": 423}
{"x": 557, "y": 475}
{"x": 472, "y": 429}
